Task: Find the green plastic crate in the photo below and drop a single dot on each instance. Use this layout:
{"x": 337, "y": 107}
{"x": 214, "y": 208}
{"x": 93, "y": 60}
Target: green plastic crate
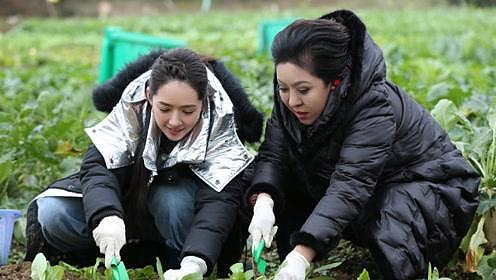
{"x": 120, "y": 47}
{"x": 267, "y": 30}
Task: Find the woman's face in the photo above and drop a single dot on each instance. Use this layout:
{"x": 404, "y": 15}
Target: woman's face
{"x": 176, "y": 108}
{"x": 303, "y": 94}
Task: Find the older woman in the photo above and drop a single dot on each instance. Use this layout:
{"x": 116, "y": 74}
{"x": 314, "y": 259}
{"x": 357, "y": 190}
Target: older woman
{"x": 347, "y": 153}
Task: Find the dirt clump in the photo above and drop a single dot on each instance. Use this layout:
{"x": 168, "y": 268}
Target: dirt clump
{"x": 16, "y": 271}
{"x": 22, "y": 271}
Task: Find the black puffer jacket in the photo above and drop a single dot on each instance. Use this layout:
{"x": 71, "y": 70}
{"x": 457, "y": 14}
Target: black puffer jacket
{"x": 371, "y": 135}
{"x": 215, "y": 212}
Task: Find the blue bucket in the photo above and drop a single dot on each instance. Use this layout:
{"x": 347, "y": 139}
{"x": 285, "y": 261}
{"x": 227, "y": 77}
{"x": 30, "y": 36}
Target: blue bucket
{"x": 7, "y": 221}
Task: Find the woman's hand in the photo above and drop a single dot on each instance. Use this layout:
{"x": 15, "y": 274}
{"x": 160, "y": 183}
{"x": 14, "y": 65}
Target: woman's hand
{"x": 189, "y": 265}
{"x": 262, "y": 223}
{"x": 296, "y": 264}
{"x": 110, "y": 236}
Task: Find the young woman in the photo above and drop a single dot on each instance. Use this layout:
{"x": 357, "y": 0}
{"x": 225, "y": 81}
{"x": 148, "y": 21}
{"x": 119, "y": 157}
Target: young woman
{"x": 349, "y": 154}
{"x": 166, "y": 166}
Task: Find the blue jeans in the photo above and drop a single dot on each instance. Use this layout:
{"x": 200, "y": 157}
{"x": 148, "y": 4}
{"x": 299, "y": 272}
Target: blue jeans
{"x": 170, "y": 202}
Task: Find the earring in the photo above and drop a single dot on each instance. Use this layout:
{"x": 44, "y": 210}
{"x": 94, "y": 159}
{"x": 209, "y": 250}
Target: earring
{"x": 335, "y": 84}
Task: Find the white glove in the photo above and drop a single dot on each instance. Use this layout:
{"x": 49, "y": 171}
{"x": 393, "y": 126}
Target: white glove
{"x": 294, "y": 267}
{"x": 189, "y": 265}
{"x": 262, "y": 223}
{"x": 110, "y": 236}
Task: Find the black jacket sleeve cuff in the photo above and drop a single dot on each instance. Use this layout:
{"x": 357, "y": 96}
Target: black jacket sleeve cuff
{"x": 275, "y": 194}
{"x": 98, "y": 216}
{"x": 302, "y": 238}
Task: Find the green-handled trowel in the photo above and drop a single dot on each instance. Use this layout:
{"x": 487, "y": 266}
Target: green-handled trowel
{"x": 119, "y": 271}
{"x": 257, "y": 256}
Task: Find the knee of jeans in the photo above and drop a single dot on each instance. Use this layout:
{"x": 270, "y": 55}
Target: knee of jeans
{"x": 171, "y": 202}
{"x": 50, "y": 213}
{"x": 174, "y": 210}
{"x": 47, "y": 211}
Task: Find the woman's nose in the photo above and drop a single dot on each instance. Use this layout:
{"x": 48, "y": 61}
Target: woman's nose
{"x": 175, "y": 120}
{"x": 294, "y": 99}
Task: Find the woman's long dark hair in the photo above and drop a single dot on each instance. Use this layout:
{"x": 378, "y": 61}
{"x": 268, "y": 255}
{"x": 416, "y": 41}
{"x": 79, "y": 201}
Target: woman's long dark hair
{"x": 321, "y": 46}
{"x": 176, "y": 65}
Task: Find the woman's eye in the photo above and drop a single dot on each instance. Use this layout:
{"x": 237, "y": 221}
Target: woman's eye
{"x": 303, "y": 91}
{"x": 188, "y": 112}
{"x": 283, "y": 90}
{"x": 164, "y": 110}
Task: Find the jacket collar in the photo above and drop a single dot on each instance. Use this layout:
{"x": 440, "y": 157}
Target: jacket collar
{"x": 213, "y": 150}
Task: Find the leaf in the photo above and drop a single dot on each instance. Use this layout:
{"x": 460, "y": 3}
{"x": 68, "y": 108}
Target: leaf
{"x": 30, "y": 180}
{"x": 435, "y": 274}
{"x": 65, "y": 148}
{"x": 492, "y": 262}
{"x": 364, "y": 275}
{"x": 70, "y": 165}
{"x": 6, "y": 166}
{"x": 491, "y": 154}
{"x": 70, "y": 268}
{"x": 450, "y": 118}
{"x": 327, "y": 267}
{"x": 160, "y": 270}
{"x": 54, "y": 272}
{"x": 486, "y": 205}
{"x": 475, "y": 250}
{"x": 38, "y": 267}
{"x": 466, "y": 239}
{"x": 485, "y": 270}
{"x": 145, "y": 273}
{"x": 249, "y": 274}
{"x": 437, "y": 91}
{"x": 236, "y": 268}
{"x": 237, "y": 272}
{"x": 92, "y": 272}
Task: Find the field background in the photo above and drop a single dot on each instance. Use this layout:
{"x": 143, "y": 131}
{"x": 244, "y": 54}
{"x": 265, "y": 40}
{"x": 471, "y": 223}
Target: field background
{"x": 48, "y": 68}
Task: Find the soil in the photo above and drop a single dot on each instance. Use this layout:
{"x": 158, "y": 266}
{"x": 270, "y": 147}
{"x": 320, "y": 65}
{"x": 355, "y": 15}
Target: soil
{"x": 16, "y": 271}
{"x": 22, "y": 271}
